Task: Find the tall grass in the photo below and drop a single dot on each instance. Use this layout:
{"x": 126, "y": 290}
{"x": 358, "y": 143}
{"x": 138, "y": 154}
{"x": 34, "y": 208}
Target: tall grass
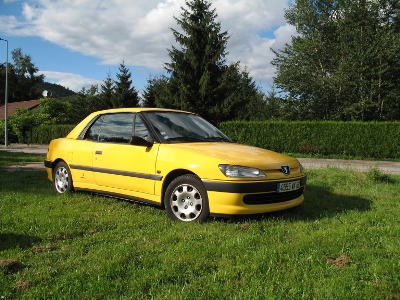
{"x": 342, "y": 243}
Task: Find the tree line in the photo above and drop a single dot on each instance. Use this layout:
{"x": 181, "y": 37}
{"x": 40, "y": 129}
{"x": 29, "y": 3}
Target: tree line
{"x": 343, "y": 64}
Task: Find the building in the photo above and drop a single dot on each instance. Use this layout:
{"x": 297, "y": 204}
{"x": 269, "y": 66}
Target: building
{"x": 12, "y": 107}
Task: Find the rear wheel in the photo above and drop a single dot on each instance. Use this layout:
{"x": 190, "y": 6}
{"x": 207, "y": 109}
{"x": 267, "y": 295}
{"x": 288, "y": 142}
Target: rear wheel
{"x": 186, "y": 199}
{"x": 62, "y": 180}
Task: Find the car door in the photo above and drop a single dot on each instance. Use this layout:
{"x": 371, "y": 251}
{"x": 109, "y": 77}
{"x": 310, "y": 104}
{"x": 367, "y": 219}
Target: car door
{"x": 118, "y": 164}
{"x": 80, "y": 157}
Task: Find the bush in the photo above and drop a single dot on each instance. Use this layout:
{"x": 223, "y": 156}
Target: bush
{"x": 26, "y": 127}
{"x": 43, "y": 134}
{"x": 22, "y": 122}
{"x": 357, "y": 139}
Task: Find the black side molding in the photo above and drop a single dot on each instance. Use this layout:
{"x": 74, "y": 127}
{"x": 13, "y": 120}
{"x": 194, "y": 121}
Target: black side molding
{"x": 48, "y": 163}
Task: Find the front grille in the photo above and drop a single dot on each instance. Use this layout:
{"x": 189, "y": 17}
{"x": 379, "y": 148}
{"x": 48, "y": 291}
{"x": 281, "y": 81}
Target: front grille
{"x": 268, "y": 198}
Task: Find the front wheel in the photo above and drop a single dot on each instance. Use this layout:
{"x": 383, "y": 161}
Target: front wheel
{"x": 62, "y": 179}
{"x": 186, "y": 199}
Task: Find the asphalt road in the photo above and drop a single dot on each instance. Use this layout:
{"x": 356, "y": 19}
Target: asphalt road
{"x": 387, "y": 167}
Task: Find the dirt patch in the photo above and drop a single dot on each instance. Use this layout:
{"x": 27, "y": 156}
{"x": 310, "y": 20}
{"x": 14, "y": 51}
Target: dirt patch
{"x": 340, "y": 262}
{"x": 22, "y": 284}
{"x": 40, "y": 249}
{"x": 9, "y": 265}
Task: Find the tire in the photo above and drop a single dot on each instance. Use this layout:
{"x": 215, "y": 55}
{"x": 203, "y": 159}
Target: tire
{"x": 186, "y": 199}
{"x": 62, "y": 179}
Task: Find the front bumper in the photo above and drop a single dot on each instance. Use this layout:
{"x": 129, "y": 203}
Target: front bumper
{"x": 48, "y": 164}
{"x": 241, "y": 198}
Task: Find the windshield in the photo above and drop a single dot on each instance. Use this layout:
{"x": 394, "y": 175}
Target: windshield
{"x": 183, "y": 127}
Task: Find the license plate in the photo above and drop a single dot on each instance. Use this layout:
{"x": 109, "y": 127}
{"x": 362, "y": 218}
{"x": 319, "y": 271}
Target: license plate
{"x": 288, "y": 186}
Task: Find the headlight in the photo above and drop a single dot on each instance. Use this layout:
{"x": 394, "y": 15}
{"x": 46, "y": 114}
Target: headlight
{"x": 301, "y": 169}
{"x": 240, "y": 172}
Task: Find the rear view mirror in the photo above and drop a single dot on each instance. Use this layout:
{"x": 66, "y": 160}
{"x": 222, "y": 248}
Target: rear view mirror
{"x": 138, "y": 141}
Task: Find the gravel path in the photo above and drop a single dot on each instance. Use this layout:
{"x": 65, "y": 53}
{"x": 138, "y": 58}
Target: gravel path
{"x": 387, "y": 167}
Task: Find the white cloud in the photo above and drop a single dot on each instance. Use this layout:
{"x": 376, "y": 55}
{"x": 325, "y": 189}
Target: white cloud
{"x": 69, "y": 80}
{"x": 138, "y": 32}
{"x": 246, "y": 21}
{"x": 157, "y": 21}
{"x": 283, "y": 35}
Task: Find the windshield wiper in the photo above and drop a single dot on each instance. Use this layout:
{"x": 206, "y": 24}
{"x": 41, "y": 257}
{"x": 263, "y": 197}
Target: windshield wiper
{"x": 217, "y": 139}
{"x": 185, "y": 139}
{"x": 199, "y": 139}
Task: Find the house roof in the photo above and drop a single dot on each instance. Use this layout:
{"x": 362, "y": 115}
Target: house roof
{"x": 12, "y": 107}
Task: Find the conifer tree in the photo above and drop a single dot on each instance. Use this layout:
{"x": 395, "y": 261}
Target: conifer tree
{"x": 106, "y": 92}
{"x": 199, "y": 79}
{"x": 124, "y": 94}
{"x": 197, "y": 67}
{"x": 155, "y": 91}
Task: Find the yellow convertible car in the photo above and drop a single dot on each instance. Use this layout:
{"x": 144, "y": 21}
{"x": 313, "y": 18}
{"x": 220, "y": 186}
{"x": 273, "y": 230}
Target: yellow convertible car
{"x": 173, "y": 159}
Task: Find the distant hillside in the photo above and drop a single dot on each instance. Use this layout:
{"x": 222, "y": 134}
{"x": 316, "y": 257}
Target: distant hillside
{"x": 56, "y": 90}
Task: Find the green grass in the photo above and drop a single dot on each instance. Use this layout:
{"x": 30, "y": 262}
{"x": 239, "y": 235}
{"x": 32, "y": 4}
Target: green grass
{"x": 342, "y": 243}
{"x": 15, "y": 158}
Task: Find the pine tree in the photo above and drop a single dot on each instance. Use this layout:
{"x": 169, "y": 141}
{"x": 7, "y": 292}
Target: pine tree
{"x": 242, "y": 99}
{"x": 196, "y": 69}
{"x": 106, "y": 92}
{"x": 156, "y": 90}
{"x": 200, "y": 80}
{"x": 124, "y": 95}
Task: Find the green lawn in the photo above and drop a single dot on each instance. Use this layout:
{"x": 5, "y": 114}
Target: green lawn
{"x": 342, "y": 243}
{"x": 16, "y": 158}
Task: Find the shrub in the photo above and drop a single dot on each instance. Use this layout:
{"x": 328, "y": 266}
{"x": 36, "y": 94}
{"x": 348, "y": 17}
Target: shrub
{"x": 43, "y": 134}
{"x": 22, "y": 123}
{"x": 359, "y": 139}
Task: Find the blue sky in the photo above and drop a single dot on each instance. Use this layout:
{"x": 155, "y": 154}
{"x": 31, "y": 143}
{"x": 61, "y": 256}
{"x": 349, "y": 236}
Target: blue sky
{"x": 76, "y": 43}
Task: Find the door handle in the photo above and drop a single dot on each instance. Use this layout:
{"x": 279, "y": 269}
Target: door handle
{"x": 99, "y": 152}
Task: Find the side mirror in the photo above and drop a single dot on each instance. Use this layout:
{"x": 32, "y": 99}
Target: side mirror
{"x": 138, "y": 141}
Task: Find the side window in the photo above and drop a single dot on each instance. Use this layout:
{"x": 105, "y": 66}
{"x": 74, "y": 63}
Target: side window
{"x": 117, "y": 128}
{"x": 94, "y": 131}
{"x": 140, "y": 128}
{"x": 112, "y": 128}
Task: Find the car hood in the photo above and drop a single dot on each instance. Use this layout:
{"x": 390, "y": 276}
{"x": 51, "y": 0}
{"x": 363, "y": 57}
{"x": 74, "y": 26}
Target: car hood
{"x": 241, "y": 155}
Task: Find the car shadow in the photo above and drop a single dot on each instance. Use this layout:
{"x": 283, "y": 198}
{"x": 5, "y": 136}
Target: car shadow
{"x": 14, "y": 240}
{"x": 318, "y": 203}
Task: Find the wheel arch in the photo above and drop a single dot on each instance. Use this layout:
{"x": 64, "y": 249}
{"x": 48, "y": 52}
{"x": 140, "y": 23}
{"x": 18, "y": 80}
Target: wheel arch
{"x": 55, "y": 162}
{"x": 169, "y": 178}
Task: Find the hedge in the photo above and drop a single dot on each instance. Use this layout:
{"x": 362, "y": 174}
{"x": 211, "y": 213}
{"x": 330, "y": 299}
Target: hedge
{"x": 379, "y": 140}
{"x": 357, "y": 139}
{"x": 45, "y": 133}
